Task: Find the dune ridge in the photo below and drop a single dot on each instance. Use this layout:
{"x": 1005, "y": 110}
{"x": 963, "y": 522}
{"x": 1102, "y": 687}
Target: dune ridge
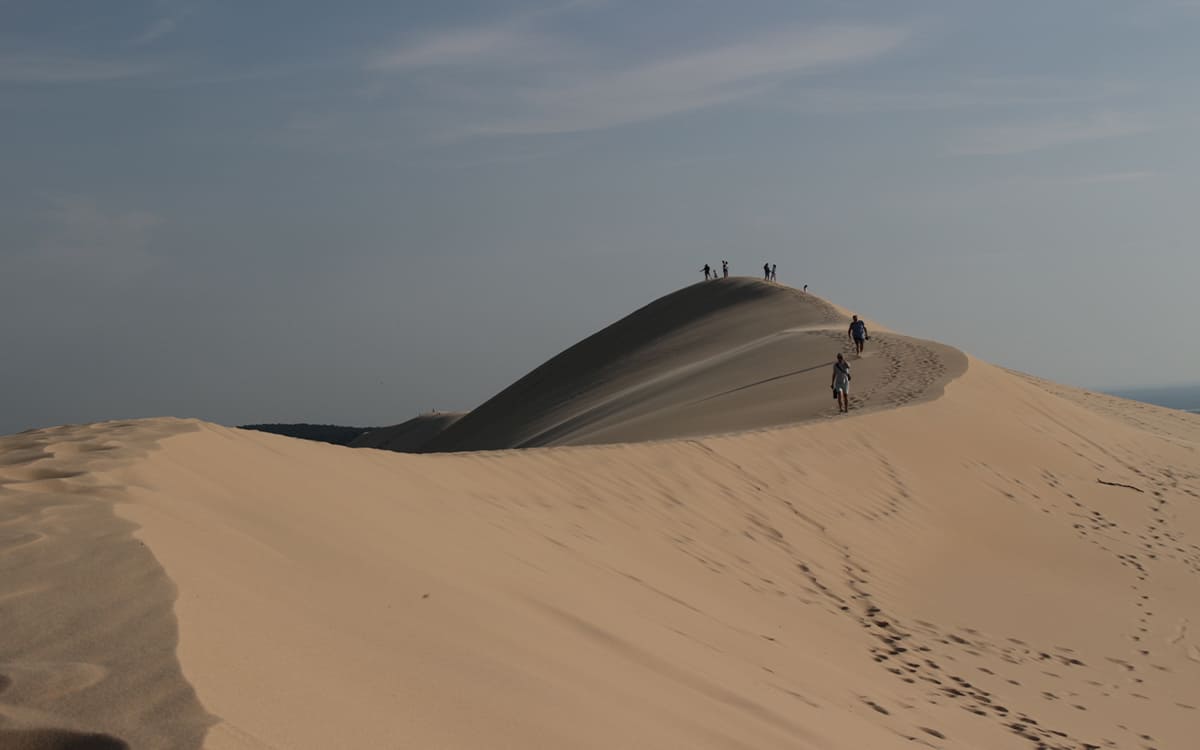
{"x": 1003, "y": 563}
{"x": 718, "y": 356}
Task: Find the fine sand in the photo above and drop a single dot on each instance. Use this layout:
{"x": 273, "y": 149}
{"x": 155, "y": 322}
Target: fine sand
{"x": 410, "y": 436}
{"x": 1001, "y": 563}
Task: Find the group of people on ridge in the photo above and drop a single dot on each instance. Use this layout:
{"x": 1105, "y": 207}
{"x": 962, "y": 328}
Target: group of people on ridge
{"x": 711, "y": 273}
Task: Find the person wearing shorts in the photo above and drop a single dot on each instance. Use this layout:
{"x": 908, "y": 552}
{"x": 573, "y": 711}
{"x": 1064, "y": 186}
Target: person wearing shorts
{"x": 858, "y": 334}
{"x": 841, "y": 383}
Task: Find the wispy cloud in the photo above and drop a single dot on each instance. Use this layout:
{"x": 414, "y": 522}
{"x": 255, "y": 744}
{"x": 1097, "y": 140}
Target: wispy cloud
{"x": 169, "y": 18}
{"x": 52, "y": 69}
{"x": 594, "y": 99}
{"x": 949, "y": 94}
{"x": 1106, "y": 178}
{"x": 80, "y": 238}
{"x": 82, "y": 234}
{"x": 159, "y": 28}
{"x": 507, "y": 45}
{"x": 1035, "y": 136}
{"x": 513, "y": 41}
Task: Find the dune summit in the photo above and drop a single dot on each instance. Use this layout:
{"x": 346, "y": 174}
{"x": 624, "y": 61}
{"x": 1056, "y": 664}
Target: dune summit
{"x": 1003, "y": 563}
{"x": 717, "y": 356}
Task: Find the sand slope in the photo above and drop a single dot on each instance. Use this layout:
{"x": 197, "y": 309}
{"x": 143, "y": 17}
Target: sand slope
{"x": 409, "y": 436}
{"x": 1011, "y": 564}
{"x": 87, "y": 631}
{"x": 717, "y": 356}
{"x": 839, "y": 585}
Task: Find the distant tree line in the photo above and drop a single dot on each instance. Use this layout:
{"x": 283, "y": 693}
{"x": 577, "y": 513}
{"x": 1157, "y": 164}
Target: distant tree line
{"x": 324, "y": 433}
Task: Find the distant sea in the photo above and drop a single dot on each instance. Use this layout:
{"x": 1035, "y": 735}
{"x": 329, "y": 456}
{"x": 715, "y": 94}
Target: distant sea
{"x": 1185, "y": 397}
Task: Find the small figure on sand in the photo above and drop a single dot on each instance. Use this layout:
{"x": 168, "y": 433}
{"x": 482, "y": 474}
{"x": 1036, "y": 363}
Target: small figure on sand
{"x": 725, "y": 269}
{"x": 707, "y": 272}
{"x": 841, "y": 383}
{"x": 858, "y": 334}
{"x": 766, "y": 271}
{"x": 773, "y": 272}
{"x": 806, "y": 288}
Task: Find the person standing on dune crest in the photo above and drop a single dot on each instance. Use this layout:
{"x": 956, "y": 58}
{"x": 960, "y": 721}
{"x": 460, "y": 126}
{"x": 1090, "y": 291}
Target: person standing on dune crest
{"x": 725, "y": 269}
{"x": 766, "y": 271}
{"x": 706, "y": 271}
{"x": 858, "y": 334}
{"x": 841, "y": 383}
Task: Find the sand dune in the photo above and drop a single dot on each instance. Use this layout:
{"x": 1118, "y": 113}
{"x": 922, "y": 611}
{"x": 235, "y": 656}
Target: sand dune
{"x": 87, "y": 631}
{"x": 714, "y": 357}
{"x": 410, "y": 436}
{"x": 1003, "y": 563}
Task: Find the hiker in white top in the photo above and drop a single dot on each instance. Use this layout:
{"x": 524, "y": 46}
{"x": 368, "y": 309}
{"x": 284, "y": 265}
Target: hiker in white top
{"x": 841, "y": 383}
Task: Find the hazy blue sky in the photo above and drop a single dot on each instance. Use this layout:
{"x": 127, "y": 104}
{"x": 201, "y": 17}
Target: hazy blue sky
{"x": 352, "y": 212}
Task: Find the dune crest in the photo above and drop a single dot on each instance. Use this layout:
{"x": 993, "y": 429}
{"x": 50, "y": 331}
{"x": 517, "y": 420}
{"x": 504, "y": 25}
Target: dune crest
{"x": 718, "y": 356}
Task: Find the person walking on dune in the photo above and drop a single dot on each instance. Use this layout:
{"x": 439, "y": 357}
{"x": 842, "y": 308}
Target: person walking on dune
{"x": 766, "y": 271}
{"x": 841, "y": 383}
{"x": 773, "y": 273}
{"x": 725, "y": 269}
{"x": 858, "y": 334}
{"x": 707, "y": 272}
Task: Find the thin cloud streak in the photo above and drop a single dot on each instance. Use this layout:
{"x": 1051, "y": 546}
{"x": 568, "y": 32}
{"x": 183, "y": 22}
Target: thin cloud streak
{"x": 50, "y": 69}
{"x": 170, "y": 18}
{"x": 159, "y": 28}
{"x": 691, "y": 81}
{"x": 1114, "y": 177}
{"x": 1026, "y": 137}
{"x": 82, "y": 239}
{"x": 497, "y": 45}
{"x": 509, "y": 43}
{"x": 947, "y": 95}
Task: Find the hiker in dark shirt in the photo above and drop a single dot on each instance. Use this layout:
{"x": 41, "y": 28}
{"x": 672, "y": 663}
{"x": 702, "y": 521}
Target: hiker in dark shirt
{"x": 858, "y": 334}
{"x": 707, "y": 272}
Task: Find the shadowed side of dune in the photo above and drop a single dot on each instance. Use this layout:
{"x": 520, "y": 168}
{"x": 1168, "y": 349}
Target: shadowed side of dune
{"x": 323, "y": 433}
{"x": 692, "y": 323}
{"x": 410, "y": 436}
{"x": 721, "y": 356}
{"x": 58, "y": 739}
{"x": 87, "y": 626}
